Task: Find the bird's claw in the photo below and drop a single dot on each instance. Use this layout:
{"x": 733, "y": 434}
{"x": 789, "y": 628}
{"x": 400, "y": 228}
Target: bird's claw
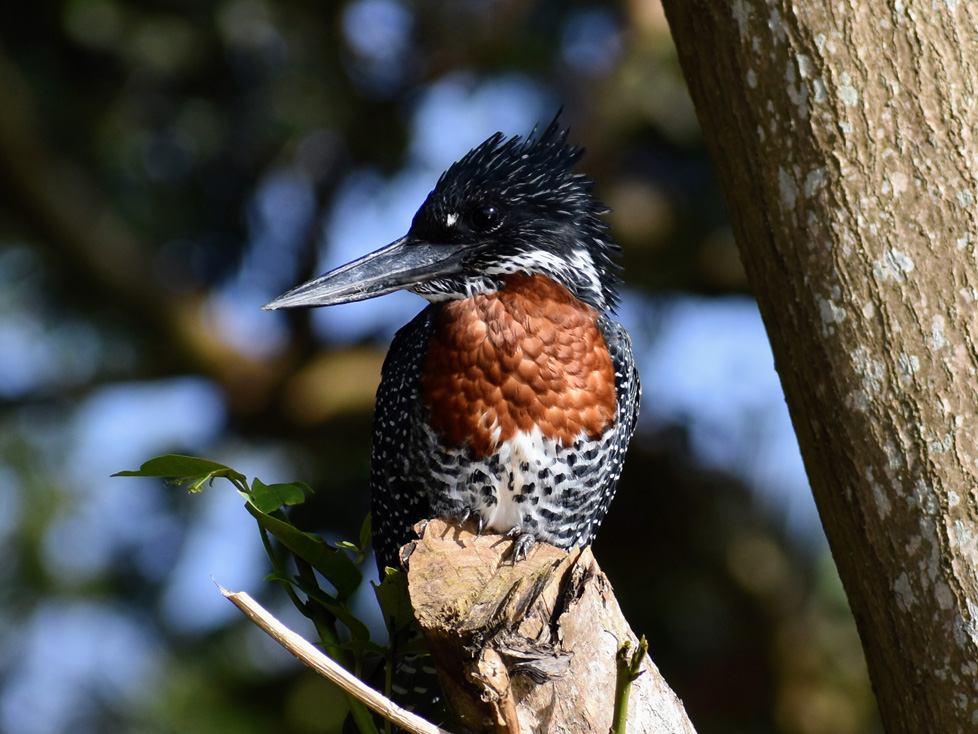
{"x": 480, "y": 521}
{"x": 522, "y": 542}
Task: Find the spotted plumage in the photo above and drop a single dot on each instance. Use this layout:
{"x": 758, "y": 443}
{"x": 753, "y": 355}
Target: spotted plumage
{"x": 513, "y": 395}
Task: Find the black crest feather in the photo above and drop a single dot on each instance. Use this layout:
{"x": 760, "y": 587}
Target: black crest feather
{"x": 543, "y": 204}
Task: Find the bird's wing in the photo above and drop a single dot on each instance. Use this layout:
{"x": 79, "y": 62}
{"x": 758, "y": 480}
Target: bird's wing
{"x": 627, "y": 384}
{"x": 629, "y": 394}
{"x": 397, "y": 495}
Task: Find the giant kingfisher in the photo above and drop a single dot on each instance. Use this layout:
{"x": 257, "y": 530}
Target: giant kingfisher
{"x": 510, "y": 399}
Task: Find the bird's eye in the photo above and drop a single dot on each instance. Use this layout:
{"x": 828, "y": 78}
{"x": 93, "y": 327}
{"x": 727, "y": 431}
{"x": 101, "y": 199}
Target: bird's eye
{"x": 484, "y": 217}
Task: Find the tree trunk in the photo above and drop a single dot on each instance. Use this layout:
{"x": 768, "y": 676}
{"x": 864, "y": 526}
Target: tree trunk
{"x": 844, "y": 138}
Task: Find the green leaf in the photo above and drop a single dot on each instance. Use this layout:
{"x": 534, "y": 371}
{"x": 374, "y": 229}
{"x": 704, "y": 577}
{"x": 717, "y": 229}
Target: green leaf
{"x": 333, "y": 564}
{"x": 392, "y": 594}
{"x": 358, "y": 630}
{"x": 185, "y": 470}
{"x": 366, "y": 534}
{"x": 347, "y": 544}
{"x": 364, "y": 646}
{"x": 279, "y": 577}
{"x": 268, "y": 497}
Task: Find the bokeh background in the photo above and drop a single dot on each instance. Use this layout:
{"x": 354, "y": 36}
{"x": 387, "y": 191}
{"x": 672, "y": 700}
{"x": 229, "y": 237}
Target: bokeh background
{"x": 167, "y": 167}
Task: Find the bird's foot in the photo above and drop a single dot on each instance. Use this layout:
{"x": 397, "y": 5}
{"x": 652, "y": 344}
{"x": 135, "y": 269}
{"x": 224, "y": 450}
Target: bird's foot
{"x": 522, "y": 542}
{"x": 480, "y": 521}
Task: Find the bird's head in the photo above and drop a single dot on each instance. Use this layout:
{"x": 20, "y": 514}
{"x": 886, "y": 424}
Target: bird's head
{"x": 508, "y": 206}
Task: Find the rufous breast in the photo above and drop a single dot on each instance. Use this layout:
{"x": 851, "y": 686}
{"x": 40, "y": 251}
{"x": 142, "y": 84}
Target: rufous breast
{"x": 529, "y": 355}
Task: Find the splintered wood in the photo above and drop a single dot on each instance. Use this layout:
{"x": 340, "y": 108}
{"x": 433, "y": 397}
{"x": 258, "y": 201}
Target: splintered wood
{"x": 528, "y": 647}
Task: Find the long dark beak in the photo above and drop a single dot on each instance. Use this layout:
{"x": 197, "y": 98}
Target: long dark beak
{"x": 401, "y": 264}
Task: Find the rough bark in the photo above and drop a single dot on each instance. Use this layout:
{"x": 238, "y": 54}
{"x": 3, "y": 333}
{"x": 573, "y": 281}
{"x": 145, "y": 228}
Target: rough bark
{"x": 844, "y": 138}
{"x": 530, "y": 647}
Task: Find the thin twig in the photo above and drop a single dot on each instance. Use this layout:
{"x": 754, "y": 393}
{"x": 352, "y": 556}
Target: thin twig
{"x": 328, "y": 668}
{"x": 629, "y": 668}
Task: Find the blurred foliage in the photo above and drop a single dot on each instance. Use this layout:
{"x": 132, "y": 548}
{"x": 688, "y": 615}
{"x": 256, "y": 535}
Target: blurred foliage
{"x": 136, "y": 141}
{"x": 319, "y": 578}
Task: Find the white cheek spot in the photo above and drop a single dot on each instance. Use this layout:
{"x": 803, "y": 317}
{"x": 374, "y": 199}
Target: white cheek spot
{"x": 451, "y": 219}
{"x": 581, "y": 261}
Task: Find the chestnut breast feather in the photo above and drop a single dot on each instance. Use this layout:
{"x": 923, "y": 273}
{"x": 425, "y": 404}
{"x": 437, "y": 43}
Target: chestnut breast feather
{"x": 529, "y": 355}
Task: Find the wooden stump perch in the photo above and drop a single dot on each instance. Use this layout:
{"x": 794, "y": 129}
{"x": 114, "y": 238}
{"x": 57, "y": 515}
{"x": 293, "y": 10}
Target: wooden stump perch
{"x": 530, "y": 647}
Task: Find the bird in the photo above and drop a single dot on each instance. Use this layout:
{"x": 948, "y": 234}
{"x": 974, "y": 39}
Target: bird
{"x": 510, "y": 399}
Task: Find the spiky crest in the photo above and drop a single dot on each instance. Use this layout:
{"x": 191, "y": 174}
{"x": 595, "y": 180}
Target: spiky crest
{"x": 522, "y": 208}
